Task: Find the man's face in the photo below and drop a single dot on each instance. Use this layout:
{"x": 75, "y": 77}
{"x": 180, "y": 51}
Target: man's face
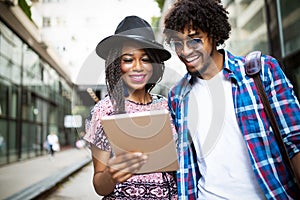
{"x": 194, "y": 49}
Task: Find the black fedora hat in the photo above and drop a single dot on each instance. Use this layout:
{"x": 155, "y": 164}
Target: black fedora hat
{"x": 132, "y": 28}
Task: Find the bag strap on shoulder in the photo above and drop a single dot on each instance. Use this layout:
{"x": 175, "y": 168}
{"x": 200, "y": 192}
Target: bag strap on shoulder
{"x": 253, "y": 63}
{"x": 252, "y": 69}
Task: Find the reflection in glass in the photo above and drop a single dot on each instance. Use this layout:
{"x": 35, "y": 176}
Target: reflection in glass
{"x": 249, "y": 29}
{"x": 290, "y": 23}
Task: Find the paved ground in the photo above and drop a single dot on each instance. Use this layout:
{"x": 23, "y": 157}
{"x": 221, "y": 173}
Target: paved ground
{"x": 77, "y": 187}
{"x": 27, "y": 179}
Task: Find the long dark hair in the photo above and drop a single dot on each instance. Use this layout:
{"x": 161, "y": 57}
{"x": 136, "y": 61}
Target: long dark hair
{"x": 117, "y": 88}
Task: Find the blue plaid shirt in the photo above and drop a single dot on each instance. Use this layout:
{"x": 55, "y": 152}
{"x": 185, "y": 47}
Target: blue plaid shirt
{"x": 272, "y": 175}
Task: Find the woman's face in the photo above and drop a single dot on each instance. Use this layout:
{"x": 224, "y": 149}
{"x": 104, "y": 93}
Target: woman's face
{"x": 136, "y": 67}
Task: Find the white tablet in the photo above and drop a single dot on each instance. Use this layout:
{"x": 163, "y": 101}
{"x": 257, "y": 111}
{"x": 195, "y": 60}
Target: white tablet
{"x": 148, "y": 132}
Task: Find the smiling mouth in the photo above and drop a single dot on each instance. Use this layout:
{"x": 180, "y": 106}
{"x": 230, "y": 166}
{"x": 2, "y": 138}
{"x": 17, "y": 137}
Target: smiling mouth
{"x": 138, "y": 78}
{"x": 191, "y": 58}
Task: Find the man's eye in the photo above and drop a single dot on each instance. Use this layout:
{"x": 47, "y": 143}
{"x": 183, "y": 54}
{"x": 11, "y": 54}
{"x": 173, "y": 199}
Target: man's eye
{"x": 178, "y": 43}
{"x": 196, "y": 41}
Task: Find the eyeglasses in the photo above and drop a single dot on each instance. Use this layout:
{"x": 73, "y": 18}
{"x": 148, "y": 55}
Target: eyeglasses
{"x": 177, "y": 45}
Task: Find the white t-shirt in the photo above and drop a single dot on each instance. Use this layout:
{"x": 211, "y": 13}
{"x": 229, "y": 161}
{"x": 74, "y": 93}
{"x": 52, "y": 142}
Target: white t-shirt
{"x": 222, "y": 154}
{"x": 52, "y": 139}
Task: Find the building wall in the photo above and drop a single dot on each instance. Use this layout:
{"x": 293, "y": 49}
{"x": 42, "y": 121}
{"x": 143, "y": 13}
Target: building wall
{"x": 35, "y": 94}
{"x": 289, "y": 37}
{"x": 271, "y": 26}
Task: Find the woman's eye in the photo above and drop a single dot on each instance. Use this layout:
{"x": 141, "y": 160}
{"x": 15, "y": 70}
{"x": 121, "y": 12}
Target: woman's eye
{"x": 146, "y": 60}
{"x": 127, "y": 60}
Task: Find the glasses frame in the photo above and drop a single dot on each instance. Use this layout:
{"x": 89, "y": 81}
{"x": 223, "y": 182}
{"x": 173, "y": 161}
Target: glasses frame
{"x": 192, "y": 43}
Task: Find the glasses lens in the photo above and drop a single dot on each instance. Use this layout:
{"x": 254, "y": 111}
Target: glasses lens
{"x": 194, "y": 43}
{"x": 176, "y": 45}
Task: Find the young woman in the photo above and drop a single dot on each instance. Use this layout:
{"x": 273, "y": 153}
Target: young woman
{"x": 134, "y": 64}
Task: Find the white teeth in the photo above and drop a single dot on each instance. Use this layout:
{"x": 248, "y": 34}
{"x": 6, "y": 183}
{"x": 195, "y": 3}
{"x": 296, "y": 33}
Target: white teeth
{"x": 138, "y": 77}
{"x": 191, "y": 58}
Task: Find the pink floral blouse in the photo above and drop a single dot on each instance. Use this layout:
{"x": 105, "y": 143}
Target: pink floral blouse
{"x": 150, "y": 186}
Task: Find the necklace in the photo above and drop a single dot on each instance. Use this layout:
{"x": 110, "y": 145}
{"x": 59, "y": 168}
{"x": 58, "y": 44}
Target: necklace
{"x": 145, "y": 101}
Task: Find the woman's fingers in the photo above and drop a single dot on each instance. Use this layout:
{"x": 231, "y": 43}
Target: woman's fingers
{"x": 125, "y": 160}
{"x": 123, "y": 178}
{"x": 129, "y": 169}
{"x": 125, "y": 157}
{"x": 123, "y": 166}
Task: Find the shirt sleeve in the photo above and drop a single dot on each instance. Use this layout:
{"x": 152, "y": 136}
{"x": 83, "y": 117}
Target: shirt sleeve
{"x": 284, "y": 103}
{"x": 94, "y": 130}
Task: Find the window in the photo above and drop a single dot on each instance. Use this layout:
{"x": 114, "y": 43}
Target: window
{"x": 290, "y": 24}
{"x": 249, "y": 31}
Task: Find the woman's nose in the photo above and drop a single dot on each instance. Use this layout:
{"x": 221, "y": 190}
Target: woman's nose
{"x": 137, "y": 66}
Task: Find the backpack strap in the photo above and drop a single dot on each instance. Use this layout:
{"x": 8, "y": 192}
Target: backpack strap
{"x": 253, "y": 63}
{"x": 253, "y": 68}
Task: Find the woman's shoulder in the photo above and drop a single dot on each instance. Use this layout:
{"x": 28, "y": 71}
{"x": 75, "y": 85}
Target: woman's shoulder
{"x": 103, "y": 107}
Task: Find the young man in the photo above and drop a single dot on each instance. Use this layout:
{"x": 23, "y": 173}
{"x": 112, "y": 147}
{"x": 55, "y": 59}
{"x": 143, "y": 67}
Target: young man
{"x": 227, "y": 148}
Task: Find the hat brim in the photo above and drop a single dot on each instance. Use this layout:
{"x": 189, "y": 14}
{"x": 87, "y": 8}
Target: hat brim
{"x": 110, "y": 42}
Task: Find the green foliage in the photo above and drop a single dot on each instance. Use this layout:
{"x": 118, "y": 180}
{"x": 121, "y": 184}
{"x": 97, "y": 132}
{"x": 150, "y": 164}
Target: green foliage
{"x": 160, "y": 3}
{"x": 155, "y": 20}
{"x": 25, "y": 7}
{"x": 155, "y": 23}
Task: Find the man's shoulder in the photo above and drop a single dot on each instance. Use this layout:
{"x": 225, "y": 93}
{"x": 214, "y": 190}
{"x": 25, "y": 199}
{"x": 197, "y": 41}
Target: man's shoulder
{"x": 233, "y": 59}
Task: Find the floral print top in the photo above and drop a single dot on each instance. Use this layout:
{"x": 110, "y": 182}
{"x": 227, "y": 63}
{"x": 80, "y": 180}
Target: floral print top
{"x": 141, "y": 186}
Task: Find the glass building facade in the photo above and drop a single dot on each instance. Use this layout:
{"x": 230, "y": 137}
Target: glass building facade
{"x": 34, "y": 98}
{"x": 271, "y": 26}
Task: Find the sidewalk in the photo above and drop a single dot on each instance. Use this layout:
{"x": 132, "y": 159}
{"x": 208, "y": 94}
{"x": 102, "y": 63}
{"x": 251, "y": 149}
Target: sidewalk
{"x": 28, "y": 179}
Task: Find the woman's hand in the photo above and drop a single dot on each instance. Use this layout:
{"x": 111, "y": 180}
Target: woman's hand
{"x": 123, "y": 166}
{"x": 110, "y": 171}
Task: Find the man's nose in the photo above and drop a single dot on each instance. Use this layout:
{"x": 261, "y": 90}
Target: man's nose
{"x": 186, "y": 50}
